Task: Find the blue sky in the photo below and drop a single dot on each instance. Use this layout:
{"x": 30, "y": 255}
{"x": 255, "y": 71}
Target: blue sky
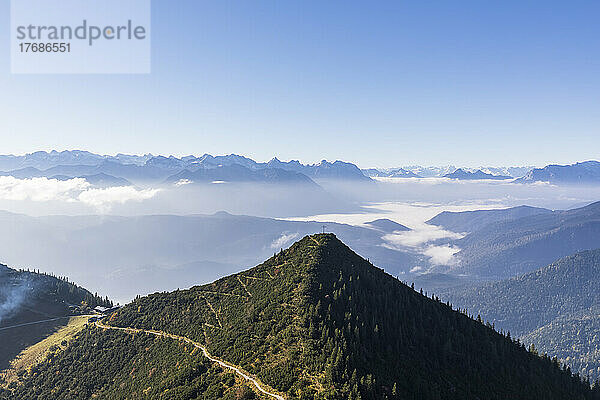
{"x": 378, "y": 83}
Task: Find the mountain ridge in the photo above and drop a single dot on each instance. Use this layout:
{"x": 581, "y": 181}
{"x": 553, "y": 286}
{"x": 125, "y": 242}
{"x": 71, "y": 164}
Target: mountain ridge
{"x": 506, "y": 248}
{"x": 462, "y": 174}
{"x": 587, "y": 172}
{"x": 140, "y": 169}
{"x": 317, "y": 287}
{"x": 469, "y": 221}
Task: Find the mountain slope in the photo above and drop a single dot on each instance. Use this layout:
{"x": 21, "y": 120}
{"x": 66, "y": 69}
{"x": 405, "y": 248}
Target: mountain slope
{"x": 112, "y": 365}
{"x": 526, "y": 302}
{"x": 239, "y": 173}
{"x": 504, "y": 249}
{"x": 555, "y": 307}
{"x": 316, "y": 321}
{"x": 28, "y": 297}
{"x": 573, "y": 339}
{"x": 587, "y": 172}
{"x": 469, "y": 221}
{"x": 387, "y": 225}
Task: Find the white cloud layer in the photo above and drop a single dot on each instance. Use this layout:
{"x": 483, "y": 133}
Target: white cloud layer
{"x": 422, "y": 238}
{"x": 183, "y": 182}
{"x": 41, "y": 189}
{"x": 76, "y": 190}
{"x": 102, "y": 199}
{"x": 283, "y": 240}
{"x": 420, "y": 235}
{"x": 442, "y": 255}
{"x": 418, "y": 240}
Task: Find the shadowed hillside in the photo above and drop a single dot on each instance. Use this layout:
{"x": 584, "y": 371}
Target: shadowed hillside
{"x": 556, "y": 308}
{"x": 28, "y": 297}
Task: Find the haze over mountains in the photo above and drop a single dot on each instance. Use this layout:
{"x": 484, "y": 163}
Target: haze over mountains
{"x": 127, "y": 256}
{"x": 487, "y": 244}
{"x": 510, "y": 246}
{"x": 470, "y": 221}
{"x": 155, "y": 226}
{"x": 146, "y": 169}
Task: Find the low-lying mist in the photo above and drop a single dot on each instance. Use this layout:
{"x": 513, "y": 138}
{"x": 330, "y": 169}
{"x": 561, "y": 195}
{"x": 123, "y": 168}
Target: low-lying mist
{"x": 124, "y": 241}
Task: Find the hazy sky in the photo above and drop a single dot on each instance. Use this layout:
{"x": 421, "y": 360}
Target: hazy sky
{"x": 377, "y": 83}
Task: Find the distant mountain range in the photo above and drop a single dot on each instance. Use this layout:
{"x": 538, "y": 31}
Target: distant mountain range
{"x": 556, "y": 308}
{"x": 43, "y": 160}
{"x": 462, "y": 174}
{"x": 390, "y": 173}
{"x": 315, "y": 321}
{"x": 239, "y": 173}
{"x": 581, "y": 173}
{"x": 438, "y": 172}
{"x": 127, "y": 169}
{"x": 415, "y": 171}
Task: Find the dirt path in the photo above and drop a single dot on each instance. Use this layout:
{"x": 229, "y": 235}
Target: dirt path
{"x": 214, "y": 312}
{"x": 244, "y": 285}
{"x": 223, "y": 294}
{"x": 261, "y": 387}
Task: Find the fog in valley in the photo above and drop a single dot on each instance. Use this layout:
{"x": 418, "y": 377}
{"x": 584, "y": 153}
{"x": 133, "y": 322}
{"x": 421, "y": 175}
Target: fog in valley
{"x": 122, "y": 241}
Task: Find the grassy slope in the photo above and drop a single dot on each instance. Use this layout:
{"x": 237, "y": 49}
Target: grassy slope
{"x": 43, "y": 297}
{"x": 15, "y": 340}
{"x": 36, "y": 353}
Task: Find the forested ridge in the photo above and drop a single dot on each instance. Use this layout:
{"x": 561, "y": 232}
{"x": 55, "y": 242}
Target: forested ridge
{"x": 504, "y": 249}
{"x": 317, "y": 321}
{"x": 27, "y": 297}
{"x": 35, "y": 289}
{"x": 556, "y": 308}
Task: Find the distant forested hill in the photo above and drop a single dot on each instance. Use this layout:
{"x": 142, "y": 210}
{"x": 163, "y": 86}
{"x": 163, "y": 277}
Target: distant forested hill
{"x": 507, "y": 248}
{"x": 315, "y": 321}
{"x": 556, "y": 308}
{"x": 470, "y": 221}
